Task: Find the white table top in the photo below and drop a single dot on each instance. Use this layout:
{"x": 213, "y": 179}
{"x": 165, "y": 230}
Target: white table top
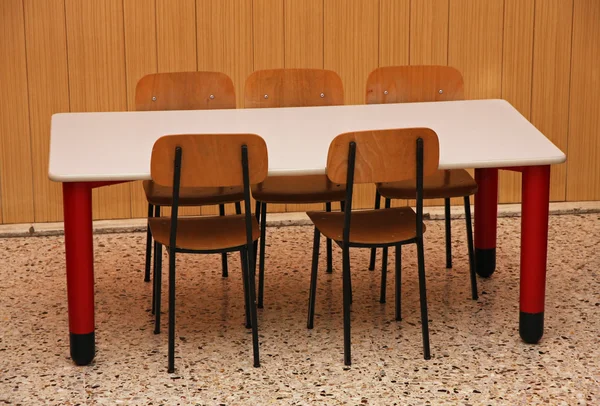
{"x": 114, "y": 146}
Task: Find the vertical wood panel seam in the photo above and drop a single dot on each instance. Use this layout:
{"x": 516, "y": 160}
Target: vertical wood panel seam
{"x": 569, "y": 101}
{"x": 532, "y": 62}
{"x": 253, "y": 40}
{"x": 67, "y": 54}
{"x": 323, "y": 39}
{"x": 156, "y": 30}
{"x": 447, "y": 36}
{"x": 378, "y": 35}
{"x": 283, "y": 33}
{"x": 502, "y": 48}
{"x": 126, "y": 90}
{"x": 409, "y": 29}
{"x": 196, "y": 31}
{"x": 28, "y": 107}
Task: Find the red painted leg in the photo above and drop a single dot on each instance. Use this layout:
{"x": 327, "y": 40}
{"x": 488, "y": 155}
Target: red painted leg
{"x": 486, "y": 219}
{"x": 77, "y": 199}
{"x": 534, "y": 248}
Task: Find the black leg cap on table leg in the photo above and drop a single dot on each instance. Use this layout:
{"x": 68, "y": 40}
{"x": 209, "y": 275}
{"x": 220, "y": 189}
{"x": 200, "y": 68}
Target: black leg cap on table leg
{"x": 83, "y": 348}
{"x": 531, "y": 327}
{"x": 485, "y": 261}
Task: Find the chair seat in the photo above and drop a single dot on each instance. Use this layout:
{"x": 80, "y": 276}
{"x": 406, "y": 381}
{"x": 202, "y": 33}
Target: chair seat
{"x": 163, "y": 196}
{"x": 298, "y": 189}
{"x": 444, "y": 184}
{"x": 204, "y": 233}
{"x": 385, "y": 226}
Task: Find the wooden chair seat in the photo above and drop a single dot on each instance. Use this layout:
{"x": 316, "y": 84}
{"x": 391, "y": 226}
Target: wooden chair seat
{"x": 443, "y": 184}
{"x": 204, "y": 233}
{"x": 385, "y": 226}
{"x": 158, "y": 195}
{"x": 299, "y": 189}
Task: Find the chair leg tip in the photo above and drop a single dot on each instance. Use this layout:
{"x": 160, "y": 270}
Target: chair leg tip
{"x": 256, "y": 364}
{"x": 156, "y": 331}
{"x": 382, "y": 301}
{"x": 147, "y": 279}
{"x": 171, "y": 370}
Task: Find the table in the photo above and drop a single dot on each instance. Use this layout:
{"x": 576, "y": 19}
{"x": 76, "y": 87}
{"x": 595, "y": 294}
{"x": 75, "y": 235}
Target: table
{"x": 89, "y": 150}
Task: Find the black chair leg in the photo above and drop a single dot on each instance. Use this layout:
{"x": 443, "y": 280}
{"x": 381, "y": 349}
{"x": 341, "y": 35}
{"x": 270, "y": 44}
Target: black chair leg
{"x": 342, "y": 206}
{"x": 257, "y": 213}
{"x": 423, "y": 297}
{"x": 398, "y": 282}
{"x": 157, "y": 285}
{"x": 374, "y": 250}
{"x": 261, "y": 268}
{"x": 156, "y": 214}
{"x": 474, "y": 294}
{"x": 329, "y": 245}
{"x": 238, "y": 208}
{"x": 148, "y": 245}
{"x": 347, "y": 290}
{"x": 448, "y": 218}
{"x": 384, "y": 261}
{"x": 171, "y": 367}
{"x": 313, "y": 280}
{"x": 252, "y": 308}
{"x": 225, "y": 271}
{"x": 244, "y": 255}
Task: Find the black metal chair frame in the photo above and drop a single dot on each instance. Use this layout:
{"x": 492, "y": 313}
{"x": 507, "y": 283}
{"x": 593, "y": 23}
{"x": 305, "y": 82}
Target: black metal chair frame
{"x": 261, "y": 216}
{"x": 447, "y": 220}
{"x": 156, "y": 211}
{"x": 246, "y": 252}
{"x": 346, "y": 245}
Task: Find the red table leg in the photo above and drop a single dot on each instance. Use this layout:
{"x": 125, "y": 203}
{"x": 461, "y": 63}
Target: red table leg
{"x": 486, "y": 219}
{"x": 534, "y": 248}
{"x": 77, "y": 200}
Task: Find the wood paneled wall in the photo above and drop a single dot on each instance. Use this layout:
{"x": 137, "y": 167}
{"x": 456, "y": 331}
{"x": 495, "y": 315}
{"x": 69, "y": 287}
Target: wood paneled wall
{"x": 73, "y": 55}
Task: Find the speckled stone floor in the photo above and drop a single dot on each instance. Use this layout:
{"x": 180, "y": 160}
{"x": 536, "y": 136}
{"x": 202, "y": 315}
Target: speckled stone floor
{"x": 477, "y": 355}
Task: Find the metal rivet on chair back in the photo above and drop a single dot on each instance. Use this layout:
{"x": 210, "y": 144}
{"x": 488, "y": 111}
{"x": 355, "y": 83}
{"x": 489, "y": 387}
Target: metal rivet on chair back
{"x": 293, "y": 88}
{"x": 185, "y": 91}
{"x": 409, "y": 84}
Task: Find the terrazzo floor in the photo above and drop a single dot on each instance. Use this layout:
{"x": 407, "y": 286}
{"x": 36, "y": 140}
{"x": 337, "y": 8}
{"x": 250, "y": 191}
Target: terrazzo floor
{"x": 477, "y": 355}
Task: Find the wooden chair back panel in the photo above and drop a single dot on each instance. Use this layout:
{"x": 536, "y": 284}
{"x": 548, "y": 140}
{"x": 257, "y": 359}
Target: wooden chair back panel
{"x": 383, "y": 155}
{"x": 185, "y": 91}
{"x": 293, "y": 88}
{"x": 410, "y": 84}
{"x": 209, "y": 160}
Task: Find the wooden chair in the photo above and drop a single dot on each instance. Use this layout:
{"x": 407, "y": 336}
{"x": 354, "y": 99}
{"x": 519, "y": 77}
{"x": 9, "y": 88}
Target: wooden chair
{"x": 208, "y": 161}
{"x": 186, "y": 91}
{"x": 374, "y": 157}
{"x": 293, "y": 88}
{"x": 407, "y": 84}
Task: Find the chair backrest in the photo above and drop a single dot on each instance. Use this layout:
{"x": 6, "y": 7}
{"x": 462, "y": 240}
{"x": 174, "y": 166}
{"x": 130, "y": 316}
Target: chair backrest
{"x": 209, "y": 160}
{"x": 383, "y": 155}
{"x": 410, "y": 84}
{"x": 185, "y": 91}
{"x": 293, "y": 88}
